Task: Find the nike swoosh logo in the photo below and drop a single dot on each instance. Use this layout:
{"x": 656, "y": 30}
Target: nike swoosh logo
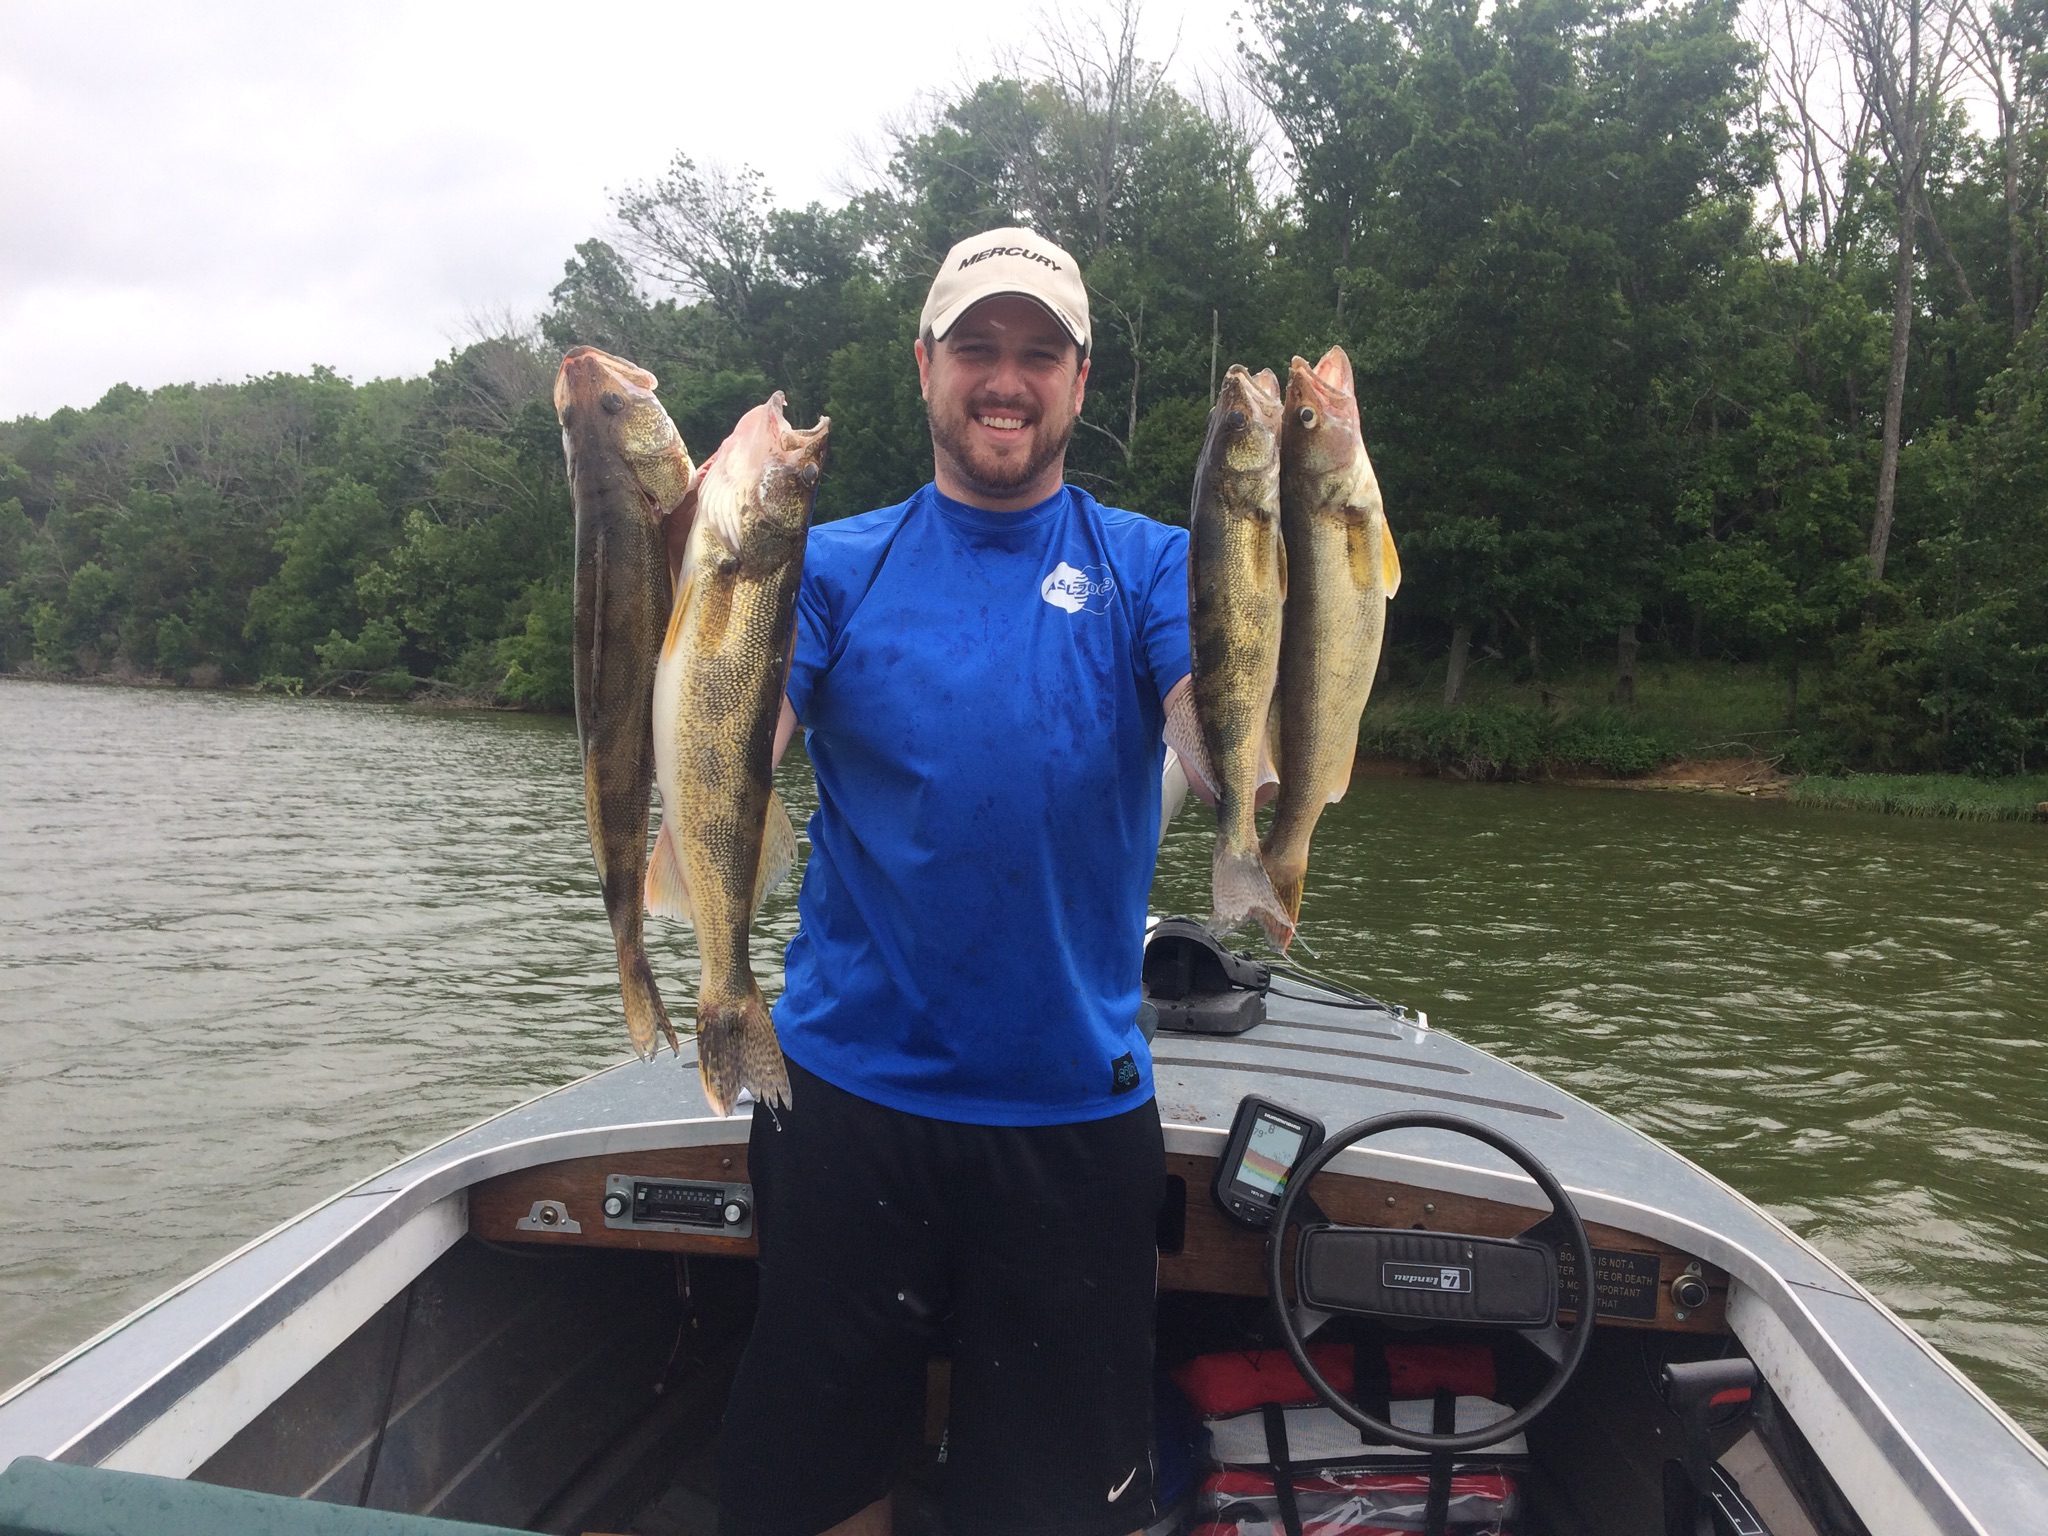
{"x": 1117, "y": 1492}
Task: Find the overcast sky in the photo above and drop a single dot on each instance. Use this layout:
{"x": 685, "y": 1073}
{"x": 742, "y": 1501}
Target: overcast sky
{"x": 199, "y": 191}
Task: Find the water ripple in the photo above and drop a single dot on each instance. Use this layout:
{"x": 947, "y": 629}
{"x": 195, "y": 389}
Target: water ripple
{"x": 251, "y": 950}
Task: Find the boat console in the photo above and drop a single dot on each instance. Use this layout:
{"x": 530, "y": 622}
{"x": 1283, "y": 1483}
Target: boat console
{"x": 682, "y": 1197}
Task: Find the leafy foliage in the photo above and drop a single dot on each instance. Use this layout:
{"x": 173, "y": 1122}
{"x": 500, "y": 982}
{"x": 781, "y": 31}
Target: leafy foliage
{"x": 1622, "y": 345}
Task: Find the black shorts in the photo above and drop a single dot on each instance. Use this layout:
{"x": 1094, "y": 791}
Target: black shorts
{"x": 1027, "y": 1253}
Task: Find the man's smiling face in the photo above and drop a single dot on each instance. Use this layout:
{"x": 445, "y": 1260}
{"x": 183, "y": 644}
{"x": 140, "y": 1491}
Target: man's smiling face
{"x": 1002, "y": 389}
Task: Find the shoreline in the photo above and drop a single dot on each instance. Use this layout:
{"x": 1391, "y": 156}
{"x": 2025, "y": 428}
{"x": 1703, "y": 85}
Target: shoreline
{"x": 428, "y": 700}
{"x": 1950, "y": 796}
{"x": 1748, "y": 778}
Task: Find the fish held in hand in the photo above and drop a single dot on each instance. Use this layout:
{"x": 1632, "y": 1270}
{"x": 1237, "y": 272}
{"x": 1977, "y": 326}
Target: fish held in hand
{"x": 726, "y": 839}
{"x": 628, "y": 469}
{"x": 1237, "y": 584}
{"x": 1342, "y": 570}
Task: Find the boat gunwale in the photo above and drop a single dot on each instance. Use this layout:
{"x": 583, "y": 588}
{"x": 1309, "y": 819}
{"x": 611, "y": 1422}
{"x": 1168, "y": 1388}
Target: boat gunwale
{"x": 395, "y": 1199}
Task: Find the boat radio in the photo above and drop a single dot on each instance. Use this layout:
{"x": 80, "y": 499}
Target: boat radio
{"x": 1267, "y": 1143}
{"x": 637, "y": 1204}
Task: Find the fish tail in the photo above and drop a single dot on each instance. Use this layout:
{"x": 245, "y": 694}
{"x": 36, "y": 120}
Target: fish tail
{"x": 1241, "y": 888}
{"x": 737, "y": 1048}
{"x": 644, "y": 1011}
{"x": 1290, "y": 900}
{"x": 1287, "y": 876}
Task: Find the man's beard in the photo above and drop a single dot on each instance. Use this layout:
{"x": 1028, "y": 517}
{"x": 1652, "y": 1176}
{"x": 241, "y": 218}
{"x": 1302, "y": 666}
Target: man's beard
{"x": 989, "y": 478}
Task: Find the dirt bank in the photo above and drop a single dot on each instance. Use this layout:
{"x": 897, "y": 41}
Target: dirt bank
{"x": 1749, "y": 776}
{"x": 1708, "y": 775}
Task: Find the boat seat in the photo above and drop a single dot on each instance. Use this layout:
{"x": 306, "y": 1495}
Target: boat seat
{"x": 49, "y": 1498}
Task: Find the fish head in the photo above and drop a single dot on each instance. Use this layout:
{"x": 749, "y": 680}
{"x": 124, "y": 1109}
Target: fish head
{"x": 599, "y": 397}
{"x": 590, "y": 381}
{"x": 789, "y": 478}
{"x": 1320, "y": 420}
{"x": 757, "y": 489}
{"x": 1245, "y": 421}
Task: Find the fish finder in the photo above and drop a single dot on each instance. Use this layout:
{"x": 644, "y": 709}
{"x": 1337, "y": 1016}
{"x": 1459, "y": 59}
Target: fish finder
{"x": 1267, "y": 1143}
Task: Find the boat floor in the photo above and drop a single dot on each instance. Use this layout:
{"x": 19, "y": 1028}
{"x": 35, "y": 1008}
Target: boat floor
{"x": 689, "y": 1506}
{"x": 1593, "y": 1464}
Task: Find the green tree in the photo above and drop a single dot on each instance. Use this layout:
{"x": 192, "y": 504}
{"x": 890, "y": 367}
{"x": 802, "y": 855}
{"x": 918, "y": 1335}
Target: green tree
{"x": 314, "y": 592}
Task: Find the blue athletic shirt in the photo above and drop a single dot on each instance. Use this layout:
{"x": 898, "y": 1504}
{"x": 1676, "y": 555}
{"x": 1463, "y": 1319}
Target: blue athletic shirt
{"x": 982, "y": 699}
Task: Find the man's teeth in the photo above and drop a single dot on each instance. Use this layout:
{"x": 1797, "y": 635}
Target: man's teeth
{"x": 1002, "y": 423}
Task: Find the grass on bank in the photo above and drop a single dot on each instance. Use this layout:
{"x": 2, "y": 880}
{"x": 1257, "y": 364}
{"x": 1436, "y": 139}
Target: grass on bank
{"x": 1927, "y": 794}
{"x": 1507, "y": 730}
{"x": 1570, "y": 727}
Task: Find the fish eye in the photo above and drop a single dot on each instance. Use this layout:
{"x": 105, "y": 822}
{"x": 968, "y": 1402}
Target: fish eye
{"x": 808, "y": 474}
{"x": 612, "y": 401}
{"x": 1306, "y": 416}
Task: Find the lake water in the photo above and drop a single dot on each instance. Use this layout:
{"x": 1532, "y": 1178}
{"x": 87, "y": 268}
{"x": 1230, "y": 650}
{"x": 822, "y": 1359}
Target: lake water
{"x": 252, "y": 950}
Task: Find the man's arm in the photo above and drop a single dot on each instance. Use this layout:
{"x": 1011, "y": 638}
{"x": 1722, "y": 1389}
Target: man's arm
{"x": 785, "y": 727}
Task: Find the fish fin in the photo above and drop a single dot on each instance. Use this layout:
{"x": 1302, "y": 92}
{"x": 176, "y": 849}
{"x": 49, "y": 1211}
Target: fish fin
{"x": 679, "y": 606}
{"x": 778, "y": 849}
{"x": 1278, "y": 934}
{"x": 1273, "y": 739}
{"x": 644, "y": 1011}
{"x": 1334, "y": 791}
{"x": 737, "y": 1048}
{"x": 597, "y": 588}
{"x": 592, "y": 815}
{"x": 677, "y": 525}
{"x": 721, "y": 501}
{"x": 667, "y": 890}
{"x": 1287, "y": 872}
{"x": 1240, "y": 888}
{"x": 1390, "y": 562}
{"x": 1283, "y": 581}
{"x": 1184, "y": 735}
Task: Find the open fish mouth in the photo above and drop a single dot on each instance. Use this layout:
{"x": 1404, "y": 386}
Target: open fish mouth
{"x": 1257, "y": 394}
{"x": 1326, "y": 387}
{"x": 808, "y": 442}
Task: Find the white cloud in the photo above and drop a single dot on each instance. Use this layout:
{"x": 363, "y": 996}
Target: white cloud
{"x": 191, "y": 191}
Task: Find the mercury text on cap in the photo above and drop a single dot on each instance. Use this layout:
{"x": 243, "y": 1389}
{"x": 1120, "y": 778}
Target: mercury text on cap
{"x": 1008, "y": 250}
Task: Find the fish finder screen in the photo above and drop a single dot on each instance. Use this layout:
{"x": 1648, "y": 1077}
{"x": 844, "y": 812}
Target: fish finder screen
{"x": 1268, "y": 1155}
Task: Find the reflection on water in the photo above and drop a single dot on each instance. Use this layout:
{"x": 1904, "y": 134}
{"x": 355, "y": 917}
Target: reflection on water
{"x": 251, "y": 950}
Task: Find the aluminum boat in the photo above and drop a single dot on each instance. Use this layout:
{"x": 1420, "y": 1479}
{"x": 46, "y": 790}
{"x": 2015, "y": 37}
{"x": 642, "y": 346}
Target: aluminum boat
{"x": 532, "y": 1324}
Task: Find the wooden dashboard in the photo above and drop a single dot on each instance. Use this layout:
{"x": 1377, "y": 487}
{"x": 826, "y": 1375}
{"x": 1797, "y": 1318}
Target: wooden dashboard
{"x": 563, "y": 1203}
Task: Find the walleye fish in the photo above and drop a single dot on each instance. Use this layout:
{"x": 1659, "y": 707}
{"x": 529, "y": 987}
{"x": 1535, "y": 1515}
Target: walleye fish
{"x": 1237, "y": 582}
{"x": 628, "y": 469}
{"x": 1342, "y": 571}
{"x": 725, "y": 838}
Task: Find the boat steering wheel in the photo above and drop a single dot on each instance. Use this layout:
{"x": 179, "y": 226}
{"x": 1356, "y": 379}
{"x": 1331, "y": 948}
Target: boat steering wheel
{"x": 1414, "y": 1276}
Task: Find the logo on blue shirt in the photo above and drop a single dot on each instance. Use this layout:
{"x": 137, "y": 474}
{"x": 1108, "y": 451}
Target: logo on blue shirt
{"x": 1086, "y": 590}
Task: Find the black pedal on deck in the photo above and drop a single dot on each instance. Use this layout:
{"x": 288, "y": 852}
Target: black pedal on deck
{"x": 1709, "y": 1397}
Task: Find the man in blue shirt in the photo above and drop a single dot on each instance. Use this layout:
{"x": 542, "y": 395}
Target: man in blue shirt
{"x": 971, "y": 1164}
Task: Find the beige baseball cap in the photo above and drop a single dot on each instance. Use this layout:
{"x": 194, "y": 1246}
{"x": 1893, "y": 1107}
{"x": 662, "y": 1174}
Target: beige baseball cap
{"x": 1001, "y": 261}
